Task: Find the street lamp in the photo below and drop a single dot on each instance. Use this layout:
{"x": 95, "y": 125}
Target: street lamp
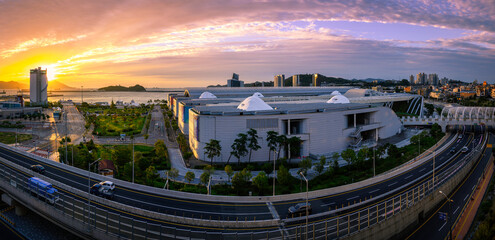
{"x": 274, "y": 161}
{"x": 305, "y": 179}
{"x": 132, "y": 140}
{"x": 448, "y": 216}
{"x": 89, "y": 187}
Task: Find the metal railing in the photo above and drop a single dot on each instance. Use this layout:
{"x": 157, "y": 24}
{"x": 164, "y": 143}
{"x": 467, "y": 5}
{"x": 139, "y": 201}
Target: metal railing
{"x": 124, "y": 225}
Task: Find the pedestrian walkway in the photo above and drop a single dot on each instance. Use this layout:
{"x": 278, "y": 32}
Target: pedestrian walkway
{"x": 467, "y": 217}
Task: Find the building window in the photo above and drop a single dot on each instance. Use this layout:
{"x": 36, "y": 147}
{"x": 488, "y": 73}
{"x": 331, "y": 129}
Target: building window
{"x": 262, "y": 123}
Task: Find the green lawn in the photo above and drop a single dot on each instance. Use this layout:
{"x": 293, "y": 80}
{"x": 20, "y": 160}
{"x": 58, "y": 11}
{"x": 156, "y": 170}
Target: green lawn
{"x": 9, "y": 137}
{"x": 113, "y": 122}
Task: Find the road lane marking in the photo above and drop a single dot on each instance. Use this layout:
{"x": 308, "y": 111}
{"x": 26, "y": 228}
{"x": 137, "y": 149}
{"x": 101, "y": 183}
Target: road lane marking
{"x": 408, "y": 177}
{"x": 422, "y": 169}
{"x": 328, "y": 204}
{"x": 375, "y": 190}
{"x": 456, "y": 209}
{"x": 440, "y": 229}
{"x": 473, "y": 187}
{"x": 352, "y": 198}
{"x": 392, "y": 184}
{"x": 466, "y": 197}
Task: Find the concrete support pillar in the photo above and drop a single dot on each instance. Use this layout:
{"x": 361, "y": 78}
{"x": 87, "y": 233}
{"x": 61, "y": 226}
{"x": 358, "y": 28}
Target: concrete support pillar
{"x": 20, "y": 210}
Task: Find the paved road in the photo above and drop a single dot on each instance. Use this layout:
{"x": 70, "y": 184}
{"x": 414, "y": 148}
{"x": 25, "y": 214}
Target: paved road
{"x": 434, "y": 227}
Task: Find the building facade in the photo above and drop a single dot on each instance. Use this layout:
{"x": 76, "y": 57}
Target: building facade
{"x": 278, "y": 81}
{"x": 38, "y": 87}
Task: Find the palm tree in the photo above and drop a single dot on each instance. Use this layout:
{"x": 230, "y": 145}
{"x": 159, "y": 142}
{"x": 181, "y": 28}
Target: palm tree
{"x": 282, "y": 141}
{"x": 239, "y": 148}
{"x": 252, "y": 141}
{"x": 271, "y": 139}
{"x": 213, "y": 149}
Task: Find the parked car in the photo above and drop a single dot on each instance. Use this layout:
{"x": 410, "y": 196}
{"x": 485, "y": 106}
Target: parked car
{"x": 38, "y": 168}
{"x": 464, "y": 149}
{"x": 299, "y": 209}
{"x": 108, "y": 185}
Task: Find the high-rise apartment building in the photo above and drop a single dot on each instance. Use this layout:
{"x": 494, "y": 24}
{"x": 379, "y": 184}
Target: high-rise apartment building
{"x": 316, "y": 81}
{"x": 433, "y": 79}
{"x": 38, "y": 86}
{"x": 420, "y": 79}
{"x": 235, "y": 82}
{"x": 278, "y": 81}
{"x": 296, "y": 81}
{"x": 411, "y": 79}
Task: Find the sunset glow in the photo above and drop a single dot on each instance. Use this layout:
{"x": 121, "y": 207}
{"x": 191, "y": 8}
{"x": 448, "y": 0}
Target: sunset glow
{"x": 198, "y": 43}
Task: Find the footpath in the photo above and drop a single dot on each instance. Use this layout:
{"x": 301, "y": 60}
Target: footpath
{"x": 465, "y": 221}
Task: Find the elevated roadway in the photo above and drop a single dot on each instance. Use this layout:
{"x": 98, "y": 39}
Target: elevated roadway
{"x": 239, "y": 209}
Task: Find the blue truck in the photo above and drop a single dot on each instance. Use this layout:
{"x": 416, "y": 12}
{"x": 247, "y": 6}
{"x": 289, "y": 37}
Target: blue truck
{"x": 43, "y": 189}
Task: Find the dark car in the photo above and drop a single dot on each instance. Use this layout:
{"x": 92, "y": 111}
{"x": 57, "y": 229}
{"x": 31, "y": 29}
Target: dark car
{"x": 38, "y": 168}
{"x": 98, "y": 190}
{"x": 452, "y": 150}
{"x": 299, "y": 209}
{"x": 95, "y": 189}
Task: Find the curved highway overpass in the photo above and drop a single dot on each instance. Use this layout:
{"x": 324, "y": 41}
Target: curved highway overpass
{"x": 245, "y": 214}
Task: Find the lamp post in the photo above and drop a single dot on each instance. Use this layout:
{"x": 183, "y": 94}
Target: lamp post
{"x": 374, "y": 172}
{"x": 89, "y": 188}
{"x": 82, "y": 99}
{"x": 132, "y": 140}
{"x": 448, "y": 215}
{"x": 274, "y": 161}
{"x": 305, "y": 179}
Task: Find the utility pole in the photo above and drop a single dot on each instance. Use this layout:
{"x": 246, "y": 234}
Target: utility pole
{"x": 82, "y": 100}
{"x": 374, "y": 172}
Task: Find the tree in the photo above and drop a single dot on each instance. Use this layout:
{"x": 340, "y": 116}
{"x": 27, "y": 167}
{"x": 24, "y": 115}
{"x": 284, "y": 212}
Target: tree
{"x": 335, "y": 158}
{"x": 121, "y": 155}
{"x": 173, "y": 173}
{"x": 239, "y": 148}
{"x": 393, "y": 151}
{"x": 305, "y": 164}
{"x": 294, "y": 144}
{"x": 321, "y": 165}
{"x": 151, "y": 174}
{"x": 146, "y": 136}
{"x": 436, "y": 131}
{"x": 252, "y": 140}
{"x": 282, "y": 142}
{"x": 271, "y": 141}
{"x": 213, "y": 149}
{"x": 362, "y": 155}
{"x": 261, "y": 182}
{"x": 283, "y": 175}
{"x": 349, "y": 156}
{"x": 189, "y": 176}
{"x": 240, "y": 181}
{"x": 160, "y": 149}
{"x": 205, "y": 177}
{"x": 229, "y": 171}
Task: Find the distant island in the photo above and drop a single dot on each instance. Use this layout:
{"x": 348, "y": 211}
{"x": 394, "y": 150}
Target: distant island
{"x": 136, "y": 88}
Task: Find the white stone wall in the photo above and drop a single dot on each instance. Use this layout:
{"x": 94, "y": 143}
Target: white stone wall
{"x": 322, "y": 132}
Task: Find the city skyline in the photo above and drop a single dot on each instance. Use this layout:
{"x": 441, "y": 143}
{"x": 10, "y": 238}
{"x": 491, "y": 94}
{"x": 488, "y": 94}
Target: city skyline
{"x": 176, "y": 44}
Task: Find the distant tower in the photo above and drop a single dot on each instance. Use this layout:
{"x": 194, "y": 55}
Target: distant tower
{"x": 38, "y": 94}
{"x": 235, "y": 82}
{"x": 411, "y": 79}
{"x": 295, "y": 81}
{"x": 278, "y": 81}
{"x": 316, "y": 81}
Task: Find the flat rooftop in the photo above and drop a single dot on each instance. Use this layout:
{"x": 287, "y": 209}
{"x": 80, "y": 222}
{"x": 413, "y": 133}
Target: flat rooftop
{"x": 280, "y": 108}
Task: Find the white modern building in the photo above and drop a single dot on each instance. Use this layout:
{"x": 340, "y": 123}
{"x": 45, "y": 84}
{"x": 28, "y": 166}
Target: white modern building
{"x": 323, "y": 126}
{"x": 38, "y": 87}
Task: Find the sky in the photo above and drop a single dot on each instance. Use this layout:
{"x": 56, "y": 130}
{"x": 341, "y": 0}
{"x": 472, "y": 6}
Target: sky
{"x": 195, "y": 43}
